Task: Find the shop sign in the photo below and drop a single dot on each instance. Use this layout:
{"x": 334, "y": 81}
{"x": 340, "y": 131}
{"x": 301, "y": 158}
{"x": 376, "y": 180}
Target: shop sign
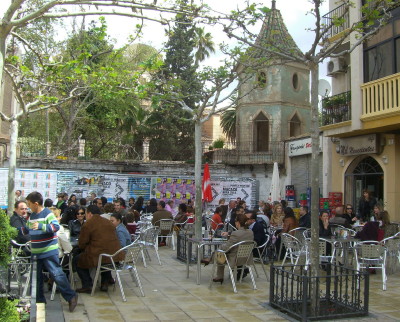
{"x": 364, "y": 144}
{"x": 300, "y": 147}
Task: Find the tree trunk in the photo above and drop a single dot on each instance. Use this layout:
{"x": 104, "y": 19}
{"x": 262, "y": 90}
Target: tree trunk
{"x": 314, "y": 248}
{"x": 197, "y": 177}
{"x": 12, "y": 165}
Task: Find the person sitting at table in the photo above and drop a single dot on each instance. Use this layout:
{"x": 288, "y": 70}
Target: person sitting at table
{"x": 258, "y": 229}
{"x": 349, "y": 214}
{"x": 123, "y": 234}
{"x": 182, "y": 215}
{"x": 324, "y": 226}
{"x": 338, "y": 218}
{"x": 217, "y": 222}
{"x": 277, "y": 216}
{"x": 371, "y": 230}
{"x": 161, "y": 213}
{"x": 152, "y": 207}
{"x": 98, "y": 236}
{"x": 243, "y": 233}
{"x": 289, "y": 223}
{"x": 76, "y": 225}
{"x": 130, "y": 219}
{"x": 376, "y": 211}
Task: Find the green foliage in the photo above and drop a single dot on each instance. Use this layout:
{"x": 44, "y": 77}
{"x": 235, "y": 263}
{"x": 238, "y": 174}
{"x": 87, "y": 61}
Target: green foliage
{"x": 219, "y": 143}
{"x": 6, "y": 234}
{"x": 8, "y": 310}
{"x": 228, "y": 124}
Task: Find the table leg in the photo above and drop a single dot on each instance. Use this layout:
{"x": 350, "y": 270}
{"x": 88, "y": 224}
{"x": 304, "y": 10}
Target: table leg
{"x": 198, "y": 264}
{"x": 188, "y": 255}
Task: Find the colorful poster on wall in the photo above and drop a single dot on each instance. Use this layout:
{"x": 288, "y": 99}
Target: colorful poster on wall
{"x": 138, "y": 186}
{"x": 28, "y": 180}
{"x": 113, "y": 185}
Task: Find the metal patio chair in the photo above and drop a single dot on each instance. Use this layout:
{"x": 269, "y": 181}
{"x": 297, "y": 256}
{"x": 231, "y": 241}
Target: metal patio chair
{"x": 166, "y": 230}
{"x": 149, "y": 239}
{"x": 132, "y": 252}
{"x": 294, "y": 249}
{"x": 371, "y": 254}
{"x": 262, "y": 255}
{"x": 243, "y": 259}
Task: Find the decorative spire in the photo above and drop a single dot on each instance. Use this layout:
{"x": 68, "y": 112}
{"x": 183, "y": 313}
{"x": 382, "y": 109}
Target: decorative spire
{"x": 275, "y": 34}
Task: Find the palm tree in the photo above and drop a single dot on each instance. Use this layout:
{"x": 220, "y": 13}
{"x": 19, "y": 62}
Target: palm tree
{"x": 228, "y": 124}
{"x": 203, "y": 44}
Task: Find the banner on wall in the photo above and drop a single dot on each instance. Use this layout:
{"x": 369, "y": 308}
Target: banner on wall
{"x": 114, "y": 185}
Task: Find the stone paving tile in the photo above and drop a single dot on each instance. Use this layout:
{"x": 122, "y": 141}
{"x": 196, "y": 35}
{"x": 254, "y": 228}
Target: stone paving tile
{"x": 173, "y": 316}
{"x": 172, "y": 296}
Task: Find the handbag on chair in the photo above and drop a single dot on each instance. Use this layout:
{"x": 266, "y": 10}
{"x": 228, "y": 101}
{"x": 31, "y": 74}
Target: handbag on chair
{"x": 221, "y": 259}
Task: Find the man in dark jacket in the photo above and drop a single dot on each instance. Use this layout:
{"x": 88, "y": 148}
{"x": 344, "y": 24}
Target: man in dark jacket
{"x": 305, "y": 217}
{"x": 18, "y": 220}
{"x": 257, "y": 228}
{"x": 97, "y": 236}
{"x": 161, "y": 213}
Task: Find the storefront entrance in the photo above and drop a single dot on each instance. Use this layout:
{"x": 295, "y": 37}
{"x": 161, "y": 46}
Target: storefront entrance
{"x": 363, "y": 173}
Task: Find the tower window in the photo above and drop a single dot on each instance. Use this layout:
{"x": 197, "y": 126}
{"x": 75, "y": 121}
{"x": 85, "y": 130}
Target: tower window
{"x": 295, "y": 81}
{"x": 294, "y": 126}
{"x": 261, "y": 79}
{"x": 261, "y": 133}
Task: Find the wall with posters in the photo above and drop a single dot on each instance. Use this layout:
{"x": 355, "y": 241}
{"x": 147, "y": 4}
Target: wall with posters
{"x": 114, "y": 185}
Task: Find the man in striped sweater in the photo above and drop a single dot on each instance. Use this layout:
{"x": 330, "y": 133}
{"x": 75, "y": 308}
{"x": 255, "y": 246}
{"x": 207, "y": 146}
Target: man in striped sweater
{"x": 42, "y": 227}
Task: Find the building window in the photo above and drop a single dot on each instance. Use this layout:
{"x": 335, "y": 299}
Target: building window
{"x": 261, "y": 133}
{"x": 261, "y": 79}
{"x": 398, "y": 55}
{"x": 295, "y": 81}
{"x": 294, "y": 126}
{"x": 379, "y": 61}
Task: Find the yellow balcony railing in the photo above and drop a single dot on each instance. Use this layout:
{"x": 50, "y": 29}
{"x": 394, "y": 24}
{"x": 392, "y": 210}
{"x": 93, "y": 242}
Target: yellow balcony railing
{"x": 381, "y": 97}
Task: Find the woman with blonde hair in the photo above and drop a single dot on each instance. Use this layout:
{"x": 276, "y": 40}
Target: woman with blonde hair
{"x": 277, "y": 216}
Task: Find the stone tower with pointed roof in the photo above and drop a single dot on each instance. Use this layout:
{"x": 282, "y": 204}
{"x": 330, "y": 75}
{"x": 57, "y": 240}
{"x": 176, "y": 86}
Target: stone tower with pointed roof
{"x": 275, "y": 104}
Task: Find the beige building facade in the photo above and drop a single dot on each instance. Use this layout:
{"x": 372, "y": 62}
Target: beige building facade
{"x": 362, "y": 117}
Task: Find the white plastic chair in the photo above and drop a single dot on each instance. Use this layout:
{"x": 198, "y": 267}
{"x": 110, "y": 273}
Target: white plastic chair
{"x": 132, "y": 252}
{"x": 243, "y": 258}
{"x": 371, "y": 254}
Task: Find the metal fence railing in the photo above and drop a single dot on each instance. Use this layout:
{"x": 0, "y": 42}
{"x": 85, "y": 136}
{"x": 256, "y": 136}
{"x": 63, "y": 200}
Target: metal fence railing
{"x": 340, "y": 292}
{"x": 336, "y": 20}
{"x": 248, "y": 152}
{"x": 336, "y": 109}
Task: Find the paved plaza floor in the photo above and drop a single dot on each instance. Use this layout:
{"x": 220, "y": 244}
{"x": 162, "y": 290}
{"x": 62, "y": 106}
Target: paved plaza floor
{"x": 170, "y": 296}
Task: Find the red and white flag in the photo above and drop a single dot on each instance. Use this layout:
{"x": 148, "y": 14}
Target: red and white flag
{"x": 206, "y": 187}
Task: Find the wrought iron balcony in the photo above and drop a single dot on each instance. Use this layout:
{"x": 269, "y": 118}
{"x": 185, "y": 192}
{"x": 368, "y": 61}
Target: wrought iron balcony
{"x": 336, "y": 20}
{"x": 381, "y": 97}
{"x": 336, "y": 109}
{"x": 247, "y": 153}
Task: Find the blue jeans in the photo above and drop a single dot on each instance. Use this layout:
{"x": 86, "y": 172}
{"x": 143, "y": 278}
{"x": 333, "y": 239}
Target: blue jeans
{"x": 52, "y": 264}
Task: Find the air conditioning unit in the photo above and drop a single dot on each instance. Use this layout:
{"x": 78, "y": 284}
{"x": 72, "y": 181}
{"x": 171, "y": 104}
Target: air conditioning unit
{"x": 335, "y": 66}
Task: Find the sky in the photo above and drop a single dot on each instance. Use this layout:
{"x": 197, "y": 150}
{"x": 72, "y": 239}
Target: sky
{"x": 294, "y": 13}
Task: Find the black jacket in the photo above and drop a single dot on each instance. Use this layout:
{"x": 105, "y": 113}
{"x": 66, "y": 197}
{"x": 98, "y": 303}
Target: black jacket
{"x": 259, "y": 234}
{"x": 17, "y": 221}
{"x": 305, "y": 220}
{"x": 75, "y": 227}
